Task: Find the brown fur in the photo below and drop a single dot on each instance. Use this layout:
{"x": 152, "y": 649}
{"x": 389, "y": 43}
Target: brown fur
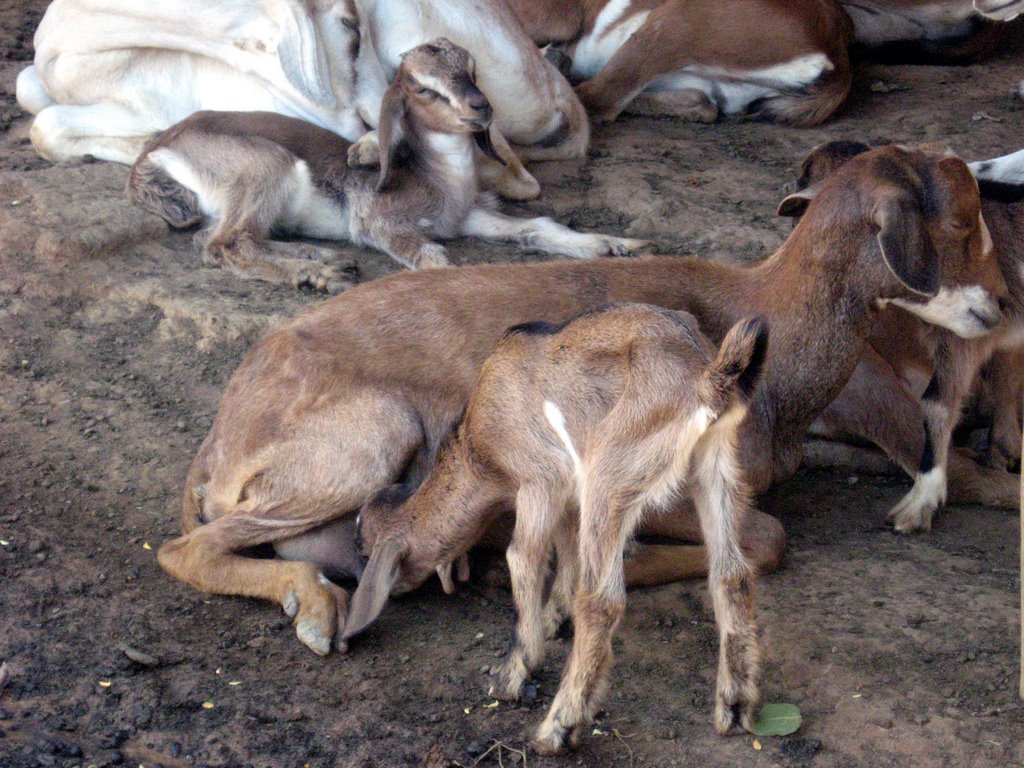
{"x": 358, "y": 392}
{"x": 918, "y": 374}
{"x": 646, "y": 408}
{"x": 736, "y": 36}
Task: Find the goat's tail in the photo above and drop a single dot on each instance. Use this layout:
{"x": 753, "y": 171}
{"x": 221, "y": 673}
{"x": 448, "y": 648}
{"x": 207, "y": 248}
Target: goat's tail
{"x": 735, "y": 372}
{"x": 152, "y": 188}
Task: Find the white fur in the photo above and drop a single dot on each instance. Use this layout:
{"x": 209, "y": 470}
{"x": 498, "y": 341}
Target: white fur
{"x": 556, "y": 419}
{"x": 952, "y": 309}
{"x": 595, "y": 49}
{"x": 179, "y": 169}
{"x": 735, "y": 90}
{"x": 310, "y": 213}
{"x": 1008, "y": 169}
{"x": 916, "y": 510}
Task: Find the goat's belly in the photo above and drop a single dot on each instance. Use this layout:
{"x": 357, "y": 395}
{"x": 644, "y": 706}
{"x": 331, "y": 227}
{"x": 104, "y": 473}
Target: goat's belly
{"x": 735, "y": 90}
{"x": 310, "y": 212}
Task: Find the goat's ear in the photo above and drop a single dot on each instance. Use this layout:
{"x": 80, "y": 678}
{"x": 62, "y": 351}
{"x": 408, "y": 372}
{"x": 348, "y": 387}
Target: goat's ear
{"x": 907, "y": 249}
{"x": 795, "y": 205}
{"x": 740, "y": 359}
{"x": 378, "y": 578}
{"x": 389, "y": 133}
{"x": 483, "y": 140}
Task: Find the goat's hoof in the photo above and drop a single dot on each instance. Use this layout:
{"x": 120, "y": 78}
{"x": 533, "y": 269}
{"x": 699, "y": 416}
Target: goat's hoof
{"x": 365, "y": 153}
{"x": 736, "y": 717}
{"x": 431, "y": 256}
{"x": 548, "y": 745}
{"x": 910, "y": 515}
{"x": 310, "y": 634}
{"x": 503, "y": 693}
{"x": 620, "y": 246}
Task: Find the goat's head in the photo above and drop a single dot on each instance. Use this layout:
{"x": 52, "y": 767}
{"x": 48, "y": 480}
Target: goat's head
{"x": 393, "y": 566}
{"x": 999, "y": 10}
{"x": 924, "y": 207}
{"x": 434, "y": 88}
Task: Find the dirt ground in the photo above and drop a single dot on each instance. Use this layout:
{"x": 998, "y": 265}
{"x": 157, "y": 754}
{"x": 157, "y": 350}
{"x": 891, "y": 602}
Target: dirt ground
{"x": 115, "y": 344}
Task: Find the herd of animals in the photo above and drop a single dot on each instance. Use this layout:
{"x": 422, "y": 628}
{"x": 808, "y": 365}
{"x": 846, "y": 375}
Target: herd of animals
{"x": 382, "y": 433}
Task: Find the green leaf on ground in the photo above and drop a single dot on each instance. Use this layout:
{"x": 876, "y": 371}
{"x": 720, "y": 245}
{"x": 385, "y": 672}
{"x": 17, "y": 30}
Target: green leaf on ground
{"x": 777, "y": 720}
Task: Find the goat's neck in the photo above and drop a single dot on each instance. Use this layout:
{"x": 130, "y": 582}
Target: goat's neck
{"x": 446, "y": 159}
{"x": 452, "y": 509}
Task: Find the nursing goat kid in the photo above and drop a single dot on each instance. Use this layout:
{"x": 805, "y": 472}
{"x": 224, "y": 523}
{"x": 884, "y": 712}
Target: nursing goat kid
{"x": 585, "y": 429}
{"x": 913, "y": 380}
{"x": 783, "y": 59}
{"x": 256, "y": 172}
{"x": 358, "y": 392}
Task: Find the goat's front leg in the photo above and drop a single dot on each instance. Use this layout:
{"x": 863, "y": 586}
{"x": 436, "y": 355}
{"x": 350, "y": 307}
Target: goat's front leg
{"x": 545, "y": 235}
{"x": 528, "y": 556}
{"x": 1003, "y": 396}
{"x": 721, "y": 503}
{"x": 506, "y": 176}
{"x": 407, "y": 246}
{"x": 956, "y": 364}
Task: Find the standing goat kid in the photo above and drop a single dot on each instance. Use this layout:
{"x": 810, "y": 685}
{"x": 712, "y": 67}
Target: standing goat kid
{"x": 258, "y": 172}
{"x": 584, "y": 429}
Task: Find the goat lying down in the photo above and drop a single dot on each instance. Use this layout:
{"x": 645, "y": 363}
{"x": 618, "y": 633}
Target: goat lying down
{"x": 110, "y": 73}
{"x": 358, "y": 392}
{"x": 256, "y": 172}
{"x": 784, "y": 59}
{"x": 915, "y": 374}
{"x": 585, "y": 429}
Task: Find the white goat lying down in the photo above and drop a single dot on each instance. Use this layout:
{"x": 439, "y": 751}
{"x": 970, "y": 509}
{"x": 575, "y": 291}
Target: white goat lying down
{"x": 252, "y": 173}
{"x": 110, "y": 73}
{"x": 585, "y": 428}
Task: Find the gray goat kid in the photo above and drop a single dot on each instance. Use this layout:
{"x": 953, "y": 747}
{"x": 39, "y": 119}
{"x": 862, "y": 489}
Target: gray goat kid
{"x": 254, "y": 173}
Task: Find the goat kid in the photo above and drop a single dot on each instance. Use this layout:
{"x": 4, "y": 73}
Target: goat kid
{"x": 357, "y": 393}
{"x": 784, "y": 59}
{"x": 916, "y": 374}
{"x": 108, "y": 74}
{"x": 257, "y": 172}
{"x": 585, "y": 429}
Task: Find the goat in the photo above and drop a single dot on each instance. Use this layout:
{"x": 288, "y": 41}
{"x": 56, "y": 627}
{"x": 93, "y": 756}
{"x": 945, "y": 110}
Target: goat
{"x": 358, "y": 392}
{"x": 785, "y": 59}
{"x": 914, "y": 373}
{"x": 100, "y": 81}
{"x": 957, "y": 27}
{"x": 584, "y": 428}
{"x": 253, "y": 172}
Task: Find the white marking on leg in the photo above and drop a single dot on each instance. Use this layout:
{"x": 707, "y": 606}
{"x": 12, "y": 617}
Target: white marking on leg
{"x": 915, "y": 510}
{"x": 595, "y": 49}
{"x": 1008, "y": 169}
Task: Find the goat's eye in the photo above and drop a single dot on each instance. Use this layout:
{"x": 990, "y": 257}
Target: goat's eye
{"x": 350, "y": 23}
{"x": 423, "y": 91}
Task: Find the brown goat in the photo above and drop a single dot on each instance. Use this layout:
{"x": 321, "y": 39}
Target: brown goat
{"x": 358, "y": 392}
{"x": 584, "y": 429}
{"x": 257, "y": 172}
{"x": 784, "y": 59}
{"x": 914, "y": 373}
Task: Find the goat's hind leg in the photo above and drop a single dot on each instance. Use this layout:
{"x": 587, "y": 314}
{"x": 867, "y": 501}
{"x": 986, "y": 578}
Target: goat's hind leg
{"x": 598, "y": 606}
{"x": 721, "y": 501}
{"x": 548, "y": 236}
{"x": 104, "y": 131}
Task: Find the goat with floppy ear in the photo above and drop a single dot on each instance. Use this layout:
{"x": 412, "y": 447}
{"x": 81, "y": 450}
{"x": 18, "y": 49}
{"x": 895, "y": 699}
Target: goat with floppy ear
{"x": 914, "y": 373}
{"x": 358, "y": 393}
{"x": 253, "y": 173}
{"x": 583, "y": 428}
